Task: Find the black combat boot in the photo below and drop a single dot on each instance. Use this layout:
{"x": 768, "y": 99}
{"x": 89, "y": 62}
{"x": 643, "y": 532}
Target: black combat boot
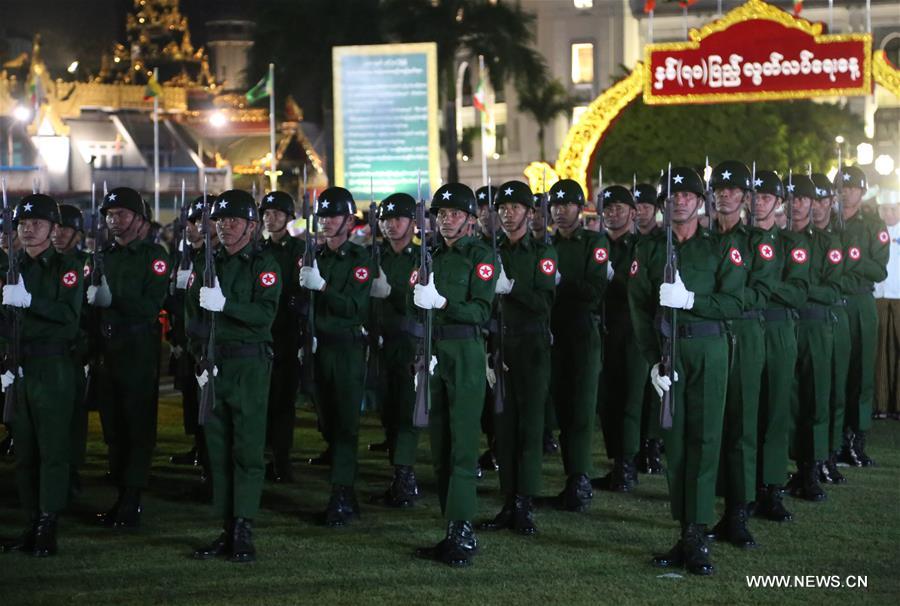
{"x": 809, "y": 488}
{"x": 847, "y": 454}
{"x": 732, "y": 527}
{"x": 833, "y": 472}
{"x": 129, "y": 512}
{"x": 621, "y": 478}
{"x": 674, "y": 558}
{"x": 45, "y": 536}
{"x": 823, "y": 473}
{"x": 456, "y": 549}
{"x": 191, "y": 457}
{"x": 323, "y": 459}
{"x": 551, "y": 445}
{"x": 7, "y": 446}
{"x": 25, "y": 542}
{"x": 859, "y": 450}
{"x": 502, "y": 520}
{"x": 379, "y": 446}
{"x": 770, "y": 506}
{"x": 403, "y": 490}
{"x": 342, "y": 507}
{"x": 108, "y": 517}
{"x": 696, "y": 551}
{"x": 220, "y": 547}
{"x": 279, "y": 469}
{"x": 650, "y": 457}
{"x": 487, "y": 461}
{"x": 242, "y": 549}
{"x": 577, "y": 494}
{"x": 523, "y": 516}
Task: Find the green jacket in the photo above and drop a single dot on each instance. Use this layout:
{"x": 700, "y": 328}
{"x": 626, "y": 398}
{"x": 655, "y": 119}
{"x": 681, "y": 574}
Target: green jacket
{"x": 344, "y": 304}
{"x": 532, "y": 264}
{"x": 56, "y": 284}
{"x": 583, "y": 259}
{"x": 288, "y": 253}
{"x": 621, "y": 254}
{"x": 398, "y": 268}
{"x": 465, "y": 274}
{"x": 138, "y": 278}
{"x": 792, "y": 256}
{"x": 866, "y": 251}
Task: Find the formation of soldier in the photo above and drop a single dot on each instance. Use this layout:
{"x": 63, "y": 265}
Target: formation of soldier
{"x": 729, "y": 343}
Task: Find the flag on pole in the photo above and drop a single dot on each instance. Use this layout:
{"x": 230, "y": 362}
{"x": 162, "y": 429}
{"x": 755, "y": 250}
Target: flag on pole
{"x": 798, "y": 7}
{"x": 686, "y": 3}
{"x": 649, "y": 6}
{"x": 261, "y": 90}
{"x": 478, "y": 99}
{"x": 153, "y": 89}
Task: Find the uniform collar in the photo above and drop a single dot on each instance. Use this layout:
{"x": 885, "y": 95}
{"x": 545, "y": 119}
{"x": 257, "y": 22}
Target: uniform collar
{"x": 244, "y": 254}
{"x": 341, "y": 251}
{"x": 576, "y": 235}
{"x": 43, "y": 259}
{"x": 525, "y": 243}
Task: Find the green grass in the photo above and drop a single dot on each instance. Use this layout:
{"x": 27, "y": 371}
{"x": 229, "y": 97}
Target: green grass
{"x": 594, "y": 558}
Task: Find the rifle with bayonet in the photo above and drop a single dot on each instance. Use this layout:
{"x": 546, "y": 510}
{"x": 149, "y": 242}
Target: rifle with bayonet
{"x": 600, "y": 205}
{"x": 545, "y": 210}
{"x": 839, "y": 189}
{"x": 373, "y": 370}
{"x": 751, "y": 220}
{"x": 181, "y": 243}
{"x": 789, "y": 199}
{"x": 667, "y": 361}
{"x": 497, "y": 355}
{"x": 208, "y": 350}
{"x": 308, "y": 340}
{"x": 96, "y": 233}
{"x": 709, "y": 198}
{"x": 12, "y": 359}
{"x": 422, "y": 364}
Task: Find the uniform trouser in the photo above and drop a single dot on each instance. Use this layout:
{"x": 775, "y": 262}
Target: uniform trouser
{"x": 861, "y": 374}
{"x": 774, "y": 430}
{"x": 693, "y": 443}
{"x": 340, "y": 373}
{"x": 457, "y": 400}
{"x": 398, "y": 398}
{"x": 887, "y": 357}
{"x": 190, "y": 396}
{"x": 621, "y": 391}
{"x": 519, "y": 428}
{"x": 78, "y": 444}
{"x": 235, "y": 435}
{"x": 42, "y": 432}
{"x": 811, "y": 391}
{"x": 282, "y": 400}
{"x": 650, "y": 428}
{"x": 128, "y": 405}
{"x": 737, "y": 467}
{"x": 576, "y": 362}
{"x": 840, "y": 364}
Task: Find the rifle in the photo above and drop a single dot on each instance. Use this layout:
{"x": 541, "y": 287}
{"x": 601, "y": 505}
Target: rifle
{"x": 309, "y": 259}
{"x": 12, "y": 358}
{"x": 667, "y": 362}
{"x": 751, "y": 220}
{"x": 634, "y": 227}
{"x": 378, "y": 316}
{"x": 709, "y": 199}
{"x": 789, "y": 199}
{"x": 208, "y": 352}
{"x": 545, "y": 210}
{"x": 499, "y": 365}
{"x": 98, "y": 234}
{"x": 422, "y": 364}
{"x": 600, "y": 204}
{"x": 180, "y": 240}
{"x": 839, "y": 190}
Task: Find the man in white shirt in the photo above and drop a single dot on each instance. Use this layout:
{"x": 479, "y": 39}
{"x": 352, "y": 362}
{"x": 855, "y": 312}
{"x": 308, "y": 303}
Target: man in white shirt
{"x": 887, "y": 300}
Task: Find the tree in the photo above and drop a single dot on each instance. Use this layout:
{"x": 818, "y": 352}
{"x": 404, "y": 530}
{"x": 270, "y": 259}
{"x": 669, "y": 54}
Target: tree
{"x": 544, "y": 101}
{"x": 497, "y": 30}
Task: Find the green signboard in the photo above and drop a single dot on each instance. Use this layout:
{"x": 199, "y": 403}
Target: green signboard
{"x": 385, "y": 119}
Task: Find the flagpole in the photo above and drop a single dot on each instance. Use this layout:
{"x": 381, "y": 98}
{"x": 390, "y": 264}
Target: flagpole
{"x": 481, "y": 119}
{"x": 273, "y": 178}
{"x": 651, "y": 26}
{"x": 156, "y": 147}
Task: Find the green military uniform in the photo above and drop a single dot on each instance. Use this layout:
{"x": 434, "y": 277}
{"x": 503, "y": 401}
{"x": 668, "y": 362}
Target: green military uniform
{"x": 136, "y": 276}
{"x": 577, "y": 358}
{"x": 248, "y": 285}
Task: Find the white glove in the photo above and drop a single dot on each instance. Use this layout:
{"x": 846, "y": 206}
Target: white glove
{"x": 610, "y": 272}
{"x": 431, "y": 367}
{"x": 676, "y": 295}
{"x": 427, "y": 296}
{"x": 315, "y": 346}
{"x": 558, "y": 277}
{"x": 177, "y": 350}
{"x": 87, "y": 370}
{"x": 311, "y": 278}
{"x": 203, "y": 377}
{"x": 490, "y": 374}
{"x": 211, "y": 298}
{"x": 6, "y": 379}
{"x": 182, "y": 277}
{"x": 504, "y": 285}
{"x": 661, "y": 383}
{"x": 99, "y": 296}
{"x": 16, "y": 295}
{"x": 380, "y": 287}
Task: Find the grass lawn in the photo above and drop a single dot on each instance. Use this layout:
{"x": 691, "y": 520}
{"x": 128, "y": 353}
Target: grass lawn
{"x": 595, "y": 558}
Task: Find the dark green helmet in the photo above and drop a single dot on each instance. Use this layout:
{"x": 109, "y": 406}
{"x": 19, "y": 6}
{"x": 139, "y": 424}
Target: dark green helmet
{"x": 277, "y": 200}
{"x": 683, "y": 179}
{"x": 514, "y": 192}
{"x": 454, "y": 195}
{"x": 70, "y": 216}
{"x": 824, "y": 186}
{"x": 768, "y": 182}
{"x": 730, "y": 173}
{"x": 802, "y": 187}
{"x": 36, "y": 206}
{"x": 644, "y": 193}
{"x": 235, "y": 203}
{"x": 123, "y": 197}
{"x": 852, "y": 176}
{"x": 397, "y": 205}
{"x": 334, "y": 202}
{"x": 567, "y": 191}
{"x": 481, "y": 195}
{"x": 195, "y": 212}
{"x": 618, "y": 194}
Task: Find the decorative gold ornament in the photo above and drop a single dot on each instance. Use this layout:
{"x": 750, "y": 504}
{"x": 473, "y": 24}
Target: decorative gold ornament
{"x": 886, "y": 74}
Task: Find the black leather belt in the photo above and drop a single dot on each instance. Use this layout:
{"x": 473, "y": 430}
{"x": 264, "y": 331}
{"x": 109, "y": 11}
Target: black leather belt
{"x": 225, "y": 351}
{"x": 112, "y": 330}
{"x": 335, "y": 338}
{"x": 753, "y": 314}
{"x": 778, "y": 314}
{"x": 43, "y": 350}
{"x": 455, "y": 332}
{"x": 693, "y": 330}
{"x": 536, "y": 327}
{"x": 813, "y": 312}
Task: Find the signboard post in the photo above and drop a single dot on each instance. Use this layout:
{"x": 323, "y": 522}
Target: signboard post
{"x": 385, "y": 118}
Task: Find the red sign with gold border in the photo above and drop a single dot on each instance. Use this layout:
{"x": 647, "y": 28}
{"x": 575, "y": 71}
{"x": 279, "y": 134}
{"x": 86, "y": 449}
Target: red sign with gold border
{"x": 757, "y": 52}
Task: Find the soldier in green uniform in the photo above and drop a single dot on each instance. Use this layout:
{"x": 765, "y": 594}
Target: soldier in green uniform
{"x": 525, "y": 290}
{"x": 645, "y": 207}
{"x": 399, "y": 256}
{"x": 48, "y": 297}
{"x": 133, "y": 287}
{"x": 340, "y": 281}
{"x": 576, "y": 359}
{"x": 460, "y": 290}
{"x": 66, "y": 240}
{"x": 812, "y": 380}
{"x": 277, "y": 208}
{"x": 867, "y": 250}
{"x": 787, "y": 296}
{"x": 707, "y": 289}
{"x": 487, "y": 222}
{"x": 623, "y": 381}
{"x": 242, "y": 302}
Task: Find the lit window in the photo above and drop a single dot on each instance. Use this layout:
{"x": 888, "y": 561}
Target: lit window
{"x": 584, "y": 3}
{"x": 582, "y": 63}
{"x": 577, "y": 112}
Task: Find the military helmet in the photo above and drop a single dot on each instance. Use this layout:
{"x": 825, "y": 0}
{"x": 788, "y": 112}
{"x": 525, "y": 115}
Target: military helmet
{"x": 36, "y": 206}
{"x": 567, "y": 191}
{"x": 514, "y": 192}
{"x": 397, "y": 205}
{"x": 123, "y": 197}
{"x": 683, "y": 179}
{"x": 824, "y": 186}
{"x": 730, "y": 173}
{"x": 70, "y": 216}
{"x": 334, "y": 202}
{"x": 454, "y": 195}
{"x": 852, "y": 176}
{"x": 148, "y": 212}
{"x": 768, "y": 182}
{"x": 644, "y": 193}
{"x": 195, "y": 212}
{"x": 484, "y": 194}
{"x": 802, "y": 187}
{"x": 277, "y": 200}
{"x": 618, "y": 194}
{"x": 235, "y": 203}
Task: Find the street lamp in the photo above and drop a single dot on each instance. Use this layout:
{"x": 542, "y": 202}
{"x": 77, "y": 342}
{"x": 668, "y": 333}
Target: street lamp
{"x": 22, "y": 113}
{"x": 864, "y": 154}
{"x": 884, "y": 165}
{"x": 218, "y": 119}
{"x": 839, "y": 139}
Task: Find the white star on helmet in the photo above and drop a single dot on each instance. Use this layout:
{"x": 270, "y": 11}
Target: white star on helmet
{"x": 270, "y": 199}
{"x": 790, "y": 187}
{"x": 324, "y": 204}
{"x": 726, "y": 175}
{"x": 606, "y": 194}
{"x": 112, "y": 197}
{"x": 390, "y": 206}
{"x": 560, "y": 194}
{"x": 27, "y": 207}
{"x": 757, "y": 182}
{"x": 677, "y": 178}
{"x": 446, "y": 195}
{"x": 846, "y": 176}
{"x": 637, "y": 193}
{"x": 223, "y": 203}
{"x": 481, "y": 195}
{"x": 508, "y": 191}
